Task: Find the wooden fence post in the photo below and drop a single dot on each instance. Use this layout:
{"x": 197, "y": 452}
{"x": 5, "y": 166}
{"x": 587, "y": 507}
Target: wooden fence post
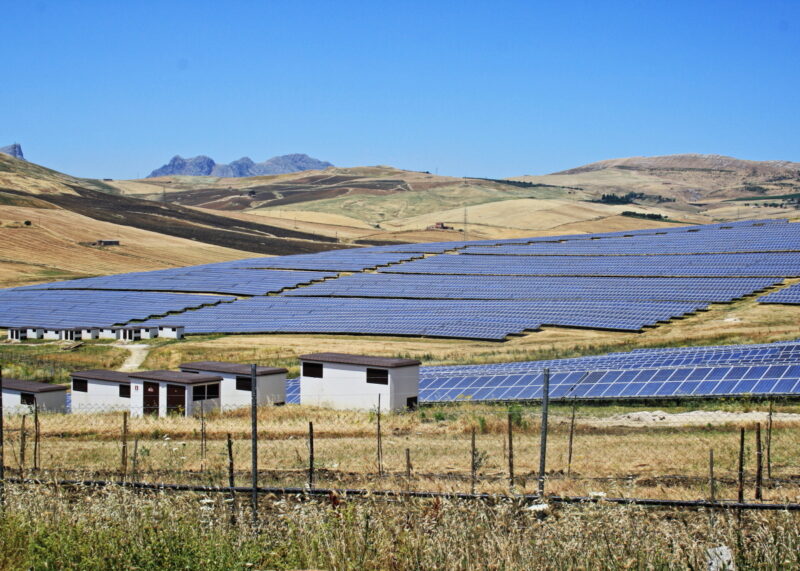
{"x": 510, "y": 453}
{"x": 473, "y": 463}
{"x": 543, "y": 444}
{"x": 759, "y": 463}
{"x": 124, "y": 458}
{"x": 711, "y": 484}
{"x": 379, "y": 441}
{"x": 231, "y": 479}
{"x": 769, "y": 442}
{"x": 36, "y": 437}
{"x": 569, "y": 445}
{"x": 254, "y": 442}
{"x": 310, "y": 454}
{"x": 22, "y": 445}
{"x": 740, "y": 494}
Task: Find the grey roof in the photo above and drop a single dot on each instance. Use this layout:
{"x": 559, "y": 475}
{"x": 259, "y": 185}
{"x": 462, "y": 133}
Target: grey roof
{"x": 102, "y": 375}
{"x": 234, "y": 368}
{"x": 176, "y": 377}
{"x": 31, "y": 386}
{"x": 365, "y": 360}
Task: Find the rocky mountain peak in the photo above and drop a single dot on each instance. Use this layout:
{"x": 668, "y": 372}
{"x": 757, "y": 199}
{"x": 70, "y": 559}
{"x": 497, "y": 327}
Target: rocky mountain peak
{"x": 14, "y": 150}
{"x": 205, "y": 166}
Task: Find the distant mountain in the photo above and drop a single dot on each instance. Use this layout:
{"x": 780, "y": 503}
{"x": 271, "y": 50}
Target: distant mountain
{"x": 14, "y": 150}
{"x": 205, "y": 166}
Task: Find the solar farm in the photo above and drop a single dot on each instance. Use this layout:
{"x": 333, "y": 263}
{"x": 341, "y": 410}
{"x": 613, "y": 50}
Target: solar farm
{"x": 481, "y": 290}
{"x": 471, "y": 290}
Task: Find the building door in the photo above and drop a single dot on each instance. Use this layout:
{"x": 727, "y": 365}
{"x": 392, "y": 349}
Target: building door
{"x": 150, "y": 398}
{"x": 176, "y": 399}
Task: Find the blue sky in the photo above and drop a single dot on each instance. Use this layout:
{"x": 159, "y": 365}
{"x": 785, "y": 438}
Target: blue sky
{"x": 495, "y": 89}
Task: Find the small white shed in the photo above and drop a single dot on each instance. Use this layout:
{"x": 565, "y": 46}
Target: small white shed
{"x": 99, "y": 390}
{"x": 237, "y": 380}
{"x": 171, "y": 392}
{"x": 21, "y": 397}
{"x": 343, "y": 381}
{"x": 171, "y": 331}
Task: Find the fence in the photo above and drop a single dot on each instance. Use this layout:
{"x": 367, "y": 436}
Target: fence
{"x": 746, "y": 455}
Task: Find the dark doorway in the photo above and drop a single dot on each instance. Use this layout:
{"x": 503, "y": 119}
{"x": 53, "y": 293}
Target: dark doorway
{"x": 150, "y": 398}
{"x": 412, "y": 403}
{"x": 176, "y": 399}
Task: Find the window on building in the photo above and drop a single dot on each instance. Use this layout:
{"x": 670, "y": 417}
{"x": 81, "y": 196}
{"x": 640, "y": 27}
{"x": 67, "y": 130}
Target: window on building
{"x": 243, "y": 384}
{"x": 313, "y": 370}
{"x": 378, "y": 376}
{"x": 125, "y": 391}
{"x": 80, "y": 385}
{"x": 27, "y": 398}
{"x": 205, "y": 392}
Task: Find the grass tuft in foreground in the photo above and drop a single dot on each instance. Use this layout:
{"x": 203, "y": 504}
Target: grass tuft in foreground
{"x": 47, "y": 528}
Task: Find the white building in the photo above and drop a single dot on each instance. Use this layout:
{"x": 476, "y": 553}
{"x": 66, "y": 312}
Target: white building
{"x": 343, "y": 381}
{"x": 129, "y": 333}
{"x": 90, "y": 333}
{"x": 148, "y": 332}
{"x": 236, "y": 382}
{"x": 99, "y": 390}
{"x": 18, "y": 333}
{"x": 171, "y": 331}
{"x": 108, "y": 333}
{"x": 53, "y": 333}
{"x": 70, "y": 334}
{"x": 171, "y": 392}
{"x": 20, "y": 397}
{"x": 34, "y": 332}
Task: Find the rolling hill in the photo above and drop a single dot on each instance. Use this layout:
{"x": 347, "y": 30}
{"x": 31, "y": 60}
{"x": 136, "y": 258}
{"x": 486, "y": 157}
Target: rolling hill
{"x": 374, "y": 204}
{"x": 49, "y": 221}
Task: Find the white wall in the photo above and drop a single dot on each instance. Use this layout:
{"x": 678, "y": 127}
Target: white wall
{"x": 149, "y": 332}
{"x": 54, "y": 401}
{"x": 51, "y": 334}
{"x": 171, "y": 332}
{"x": 100, "y": 396}
{"x": 404, "y": 383}
{"x": 271, "y": 389}
{"x": 345, "y": 387}
{"x": 89, "y": 334}
{"x": 35, "y": 333}
{"x": 108, "y": 333}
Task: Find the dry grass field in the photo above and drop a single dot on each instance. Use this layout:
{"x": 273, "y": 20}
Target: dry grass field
{"x": 55, "y": 246}
{"x": 88, "y": 528}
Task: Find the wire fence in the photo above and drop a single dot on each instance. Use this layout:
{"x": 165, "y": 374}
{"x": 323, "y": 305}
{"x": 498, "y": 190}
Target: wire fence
{"x": 749, "y": 455}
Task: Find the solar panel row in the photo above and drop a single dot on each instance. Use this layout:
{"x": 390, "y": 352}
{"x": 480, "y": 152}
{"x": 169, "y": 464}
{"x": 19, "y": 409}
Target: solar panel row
{"x": 101, "y": 308}
{"x": 431, "y": 286}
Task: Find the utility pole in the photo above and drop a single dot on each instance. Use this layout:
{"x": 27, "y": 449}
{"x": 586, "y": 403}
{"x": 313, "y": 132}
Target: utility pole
{"x": 465, "y": 224}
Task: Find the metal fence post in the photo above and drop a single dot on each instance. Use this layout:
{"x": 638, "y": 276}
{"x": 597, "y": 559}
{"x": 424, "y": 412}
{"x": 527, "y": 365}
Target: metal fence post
{"x": 254, "y": 441}
{"x": 543, "y": 445}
